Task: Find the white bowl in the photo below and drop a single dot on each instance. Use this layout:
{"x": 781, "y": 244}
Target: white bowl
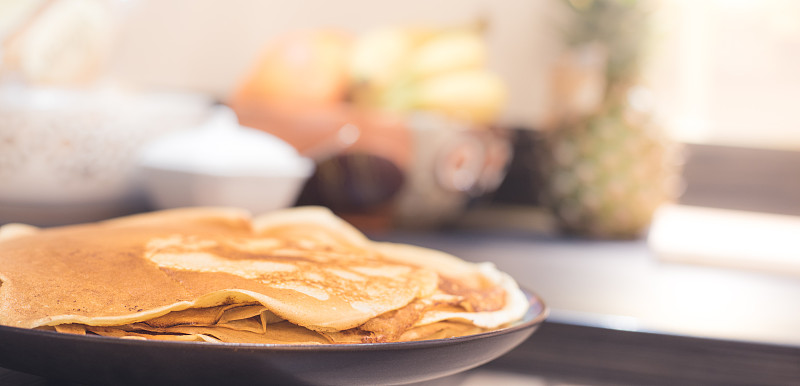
{"x": 223, "y": 164}
{"x": 69, "y": 155}
{"x": 169, "y": 188}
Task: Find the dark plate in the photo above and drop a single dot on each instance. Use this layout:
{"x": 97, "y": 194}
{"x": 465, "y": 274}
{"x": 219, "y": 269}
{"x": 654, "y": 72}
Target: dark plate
{"x": 97, "y": 360}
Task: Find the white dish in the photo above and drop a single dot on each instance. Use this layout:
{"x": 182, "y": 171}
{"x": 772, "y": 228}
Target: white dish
{"x": 65, "y": 152}
{"x": 223, "y": 164}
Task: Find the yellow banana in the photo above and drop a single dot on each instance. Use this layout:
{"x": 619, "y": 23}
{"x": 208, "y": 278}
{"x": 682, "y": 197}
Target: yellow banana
{"x": 449, "y": 51}
{"x": 442, "y": 70}
{"x": 379, "y": 56}
{"x": 473, "y": 95}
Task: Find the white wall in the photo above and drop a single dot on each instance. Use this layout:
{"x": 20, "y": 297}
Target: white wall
{"x": 206, "y": 45}
{"x": 728, "y": 71}
{"x": 725, "y": 71}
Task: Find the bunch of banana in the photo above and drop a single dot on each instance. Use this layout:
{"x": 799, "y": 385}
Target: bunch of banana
{"x": 406, "y": 69}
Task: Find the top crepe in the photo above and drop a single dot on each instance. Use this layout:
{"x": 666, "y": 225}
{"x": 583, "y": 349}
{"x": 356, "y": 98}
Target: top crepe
{"x": 302, "y": 268}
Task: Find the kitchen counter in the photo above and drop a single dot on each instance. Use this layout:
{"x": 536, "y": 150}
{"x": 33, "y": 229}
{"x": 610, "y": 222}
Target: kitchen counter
{"x": 620, "y": 314}
{"x": 622, "y": 285}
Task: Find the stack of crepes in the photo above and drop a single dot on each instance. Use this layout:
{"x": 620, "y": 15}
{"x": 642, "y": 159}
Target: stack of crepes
{"x": 294, "y": 276}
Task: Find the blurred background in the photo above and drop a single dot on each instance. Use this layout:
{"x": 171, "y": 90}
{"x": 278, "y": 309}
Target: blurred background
{"x": 665, "y": 129}
{"x": 583, "y": 108}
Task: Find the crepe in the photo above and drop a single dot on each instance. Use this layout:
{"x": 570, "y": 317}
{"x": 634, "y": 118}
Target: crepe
{"x": 293, "y": 276}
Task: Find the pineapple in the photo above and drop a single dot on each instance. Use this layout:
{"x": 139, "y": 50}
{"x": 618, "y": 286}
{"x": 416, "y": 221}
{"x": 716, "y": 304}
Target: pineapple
{"x": 608, "y": 166}
{"x": 609, "y": 172}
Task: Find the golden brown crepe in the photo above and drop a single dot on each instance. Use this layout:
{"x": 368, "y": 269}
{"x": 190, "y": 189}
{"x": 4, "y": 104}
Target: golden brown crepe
{"x": 294, "y": 276}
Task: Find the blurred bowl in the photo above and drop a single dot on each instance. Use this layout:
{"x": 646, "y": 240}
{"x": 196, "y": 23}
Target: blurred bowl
{"x": 69, "y": 155}
{"x": 223, "y": 164}
{"x": 170, "y": 188}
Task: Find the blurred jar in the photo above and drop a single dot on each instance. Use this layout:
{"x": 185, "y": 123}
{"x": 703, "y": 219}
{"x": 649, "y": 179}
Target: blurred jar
{"x": 383, "y": 171}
